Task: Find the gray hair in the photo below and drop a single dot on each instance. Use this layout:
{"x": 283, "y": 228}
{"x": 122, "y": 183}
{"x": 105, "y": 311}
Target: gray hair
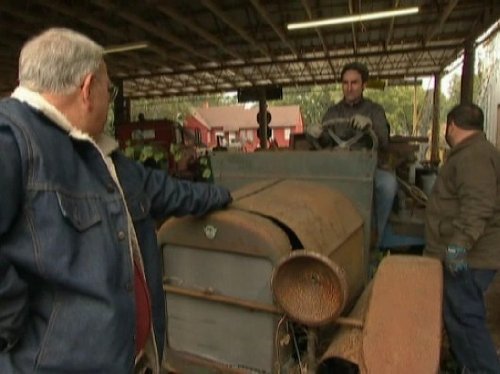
{"x": 57, "y": 60}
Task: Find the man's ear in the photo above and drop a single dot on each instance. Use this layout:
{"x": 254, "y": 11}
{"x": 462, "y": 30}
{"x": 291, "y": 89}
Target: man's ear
{"x": 86, "y": 89}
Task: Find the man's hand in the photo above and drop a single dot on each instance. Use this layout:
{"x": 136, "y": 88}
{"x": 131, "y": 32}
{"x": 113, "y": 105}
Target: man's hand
{"x": 456, "y": 259}
{"x": 314, "y": 130}
{"x": 360, "y": 122}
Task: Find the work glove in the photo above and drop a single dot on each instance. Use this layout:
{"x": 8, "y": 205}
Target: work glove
{"x": 360, "y": 122}
{"x": 456, "y": 259}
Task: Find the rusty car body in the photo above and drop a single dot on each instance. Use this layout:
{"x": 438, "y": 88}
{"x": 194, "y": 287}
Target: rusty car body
{"x": 280, "y": 281}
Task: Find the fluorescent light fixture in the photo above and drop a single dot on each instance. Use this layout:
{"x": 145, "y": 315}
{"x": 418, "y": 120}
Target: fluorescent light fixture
{"x": 353, "y": 18}
{"x": 125, "y": 47}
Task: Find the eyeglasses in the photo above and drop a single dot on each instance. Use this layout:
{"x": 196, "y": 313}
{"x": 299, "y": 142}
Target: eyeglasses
{"x": 112, "y": 91}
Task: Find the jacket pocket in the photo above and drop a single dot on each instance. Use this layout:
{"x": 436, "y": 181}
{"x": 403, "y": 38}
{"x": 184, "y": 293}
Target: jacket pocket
{"x": 82, "y": 213}
{"x": 80, "y": 336}
{"x": 139, "y": 207}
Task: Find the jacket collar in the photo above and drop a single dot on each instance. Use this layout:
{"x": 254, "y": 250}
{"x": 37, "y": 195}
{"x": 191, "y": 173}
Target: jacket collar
{"x": 353, "y": 105}
{"x": 104, "y": 142}
{"x": 480, "y": 136}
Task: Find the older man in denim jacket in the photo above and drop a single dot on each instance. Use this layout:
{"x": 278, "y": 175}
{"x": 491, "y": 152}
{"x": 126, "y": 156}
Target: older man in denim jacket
{"x": 80, "y": 270}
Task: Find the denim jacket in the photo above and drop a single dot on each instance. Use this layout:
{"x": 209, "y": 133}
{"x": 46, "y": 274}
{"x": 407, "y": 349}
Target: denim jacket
{"x": 66, "y": 274}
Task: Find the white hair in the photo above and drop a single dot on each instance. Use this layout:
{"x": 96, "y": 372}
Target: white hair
{"x": 57, "y": 60}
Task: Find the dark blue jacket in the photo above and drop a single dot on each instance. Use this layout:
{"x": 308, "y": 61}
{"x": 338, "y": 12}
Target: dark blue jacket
{"x": 66, "y": 275}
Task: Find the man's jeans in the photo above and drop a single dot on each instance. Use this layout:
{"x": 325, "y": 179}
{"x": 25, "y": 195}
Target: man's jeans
{"x": 386, "y": 187}
{"x": 465, "y": 320}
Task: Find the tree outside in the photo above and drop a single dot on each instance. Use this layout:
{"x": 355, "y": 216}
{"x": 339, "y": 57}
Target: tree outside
{"x": 398, "y": 102}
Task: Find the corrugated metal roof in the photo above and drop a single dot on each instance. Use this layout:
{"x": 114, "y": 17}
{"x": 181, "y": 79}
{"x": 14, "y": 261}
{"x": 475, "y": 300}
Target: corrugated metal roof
{"x": 208, "y": 46}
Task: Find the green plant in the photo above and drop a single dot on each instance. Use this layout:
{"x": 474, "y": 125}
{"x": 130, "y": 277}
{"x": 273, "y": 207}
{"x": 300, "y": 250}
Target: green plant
{"x": 148, "y": 154}
{"x": 176, "y": 151}
{"x": 206, "y": 167}
{"x": 187, "y": 158}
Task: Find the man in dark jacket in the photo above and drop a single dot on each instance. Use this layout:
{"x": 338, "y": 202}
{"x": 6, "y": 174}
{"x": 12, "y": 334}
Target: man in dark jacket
{"x": 463, "y": 229}
{"x": 80, "y": 269}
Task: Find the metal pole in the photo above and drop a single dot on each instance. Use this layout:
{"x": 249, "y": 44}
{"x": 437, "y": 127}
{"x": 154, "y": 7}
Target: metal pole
{"x": 435, "y": 121}
{"x": 467, "y": 83}
{"x": 415, "y": 112}
{"x": 312, "y": 339}
{"x": 263, "y": 115}
{"x": 119, "y": 108}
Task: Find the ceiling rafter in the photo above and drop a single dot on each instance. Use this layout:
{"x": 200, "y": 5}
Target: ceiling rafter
{"x": 277, "y": 29}
{"x": 69, "y": 11}
{"x": 442, "y": 19}
{"x": 164, "y": 35}
{"x": 301, "y": 72}
{"x": 306, "y": 6}
{"x": 353, "y": 9}
{"x": 390, "y": 29}
{"x": 153, "y": 30}
{"x": 178, "y": 17}
{"x": 395, "y": 73}
{"x": 220, "y": 13}
{"x": 33, "y": 20}
{"x": 231, "y": 23}
{"x": 264, "y": 14}
{"x": 394, "y": 51}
